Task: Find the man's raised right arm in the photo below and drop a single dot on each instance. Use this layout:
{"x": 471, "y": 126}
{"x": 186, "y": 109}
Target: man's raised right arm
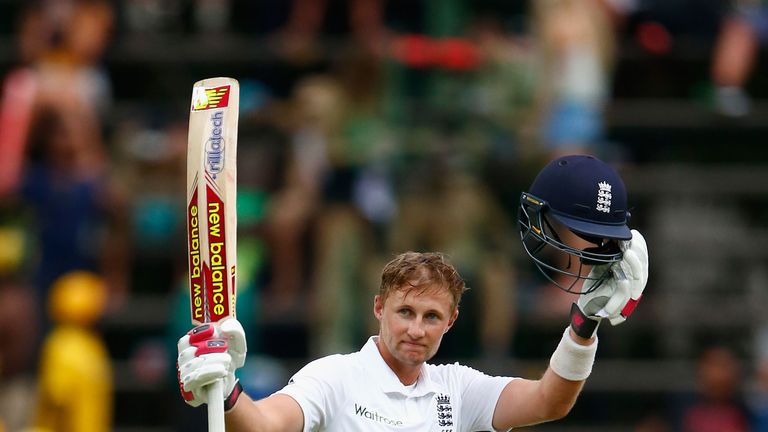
{"x": 276, "y": 413}
{"x": 212, "y": 352}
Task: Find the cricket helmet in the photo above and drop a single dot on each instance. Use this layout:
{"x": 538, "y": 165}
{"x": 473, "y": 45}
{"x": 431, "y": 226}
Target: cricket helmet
{"x": 585, "y": 196}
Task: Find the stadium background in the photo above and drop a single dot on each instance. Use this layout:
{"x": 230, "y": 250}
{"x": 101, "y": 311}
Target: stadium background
{"x": 361, "y": 136}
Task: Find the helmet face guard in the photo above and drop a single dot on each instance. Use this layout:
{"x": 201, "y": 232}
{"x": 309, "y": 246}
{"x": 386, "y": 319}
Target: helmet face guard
{"x": 553, "y": 257}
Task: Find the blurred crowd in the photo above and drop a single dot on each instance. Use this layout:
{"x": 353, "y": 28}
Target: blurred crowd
{"x": 378, "y": 126}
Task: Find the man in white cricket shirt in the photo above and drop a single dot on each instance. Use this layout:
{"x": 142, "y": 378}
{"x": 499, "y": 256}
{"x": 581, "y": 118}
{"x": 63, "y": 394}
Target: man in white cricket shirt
{"x": 389, "y": 386}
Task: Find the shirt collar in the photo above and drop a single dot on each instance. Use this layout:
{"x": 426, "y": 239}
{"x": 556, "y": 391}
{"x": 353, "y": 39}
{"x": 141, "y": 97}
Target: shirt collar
{"x": 380, "y": 371}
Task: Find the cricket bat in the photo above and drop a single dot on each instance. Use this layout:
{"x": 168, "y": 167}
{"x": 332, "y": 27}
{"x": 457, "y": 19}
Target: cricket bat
{"x": 211, "y": 211}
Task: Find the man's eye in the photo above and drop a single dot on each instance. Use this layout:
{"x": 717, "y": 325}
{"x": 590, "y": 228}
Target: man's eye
{"x": 404, "y": 312}
{"x": 432, "y": 316}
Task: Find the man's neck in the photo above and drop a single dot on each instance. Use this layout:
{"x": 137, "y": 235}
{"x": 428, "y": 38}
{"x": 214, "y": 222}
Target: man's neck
{"x": 407, "y": 374}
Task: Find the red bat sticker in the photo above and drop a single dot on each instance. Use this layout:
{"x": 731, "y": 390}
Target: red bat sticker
{"x": 210, "y": 98}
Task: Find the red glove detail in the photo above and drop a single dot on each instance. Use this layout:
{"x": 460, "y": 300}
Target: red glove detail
{"x": 630, "y": 307}
{"x": 188, "y": 396}
{"x": 203, "y": 338}
{"x": 201, "y": 333}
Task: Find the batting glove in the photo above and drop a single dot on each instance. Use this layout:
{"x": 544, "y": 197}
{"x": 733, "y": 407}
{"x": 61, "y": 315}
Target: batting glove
{"x": 211, "y": 352}
{"x": 616, "y": 297}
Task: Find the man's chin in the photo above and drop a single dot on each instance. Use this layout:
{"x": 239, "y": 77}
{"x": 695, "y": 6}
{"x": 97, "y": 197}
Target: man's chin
{"x": 415, "y": 358}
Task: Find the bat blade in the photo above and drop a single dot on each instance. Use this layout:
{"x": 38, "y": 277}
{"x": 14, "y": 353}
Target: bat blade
{"x": 212, "y": 195}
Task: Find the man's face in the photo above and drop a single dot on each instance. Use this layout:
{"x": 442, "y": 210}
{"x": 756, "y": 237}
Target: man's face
{"x": 412, "y": 324}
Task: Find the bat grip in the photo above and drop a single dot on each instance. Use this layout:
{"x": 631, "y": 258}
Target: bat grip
{"x": 215, "y": 406}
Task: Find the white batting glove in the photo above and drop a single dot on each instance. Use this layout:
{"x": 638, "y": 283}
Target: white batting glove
{"x": 616, "y": 297}
{"x": 210, "y": 352}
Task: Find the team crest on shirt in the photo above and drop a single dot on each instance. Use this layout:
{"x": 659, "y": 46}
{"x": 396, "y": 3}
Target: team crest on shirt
{"x": 444, "y": 413}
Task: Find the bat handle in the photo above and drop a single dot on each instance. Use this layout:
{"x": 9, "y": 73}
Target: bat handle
{"x": 215, "y": 406}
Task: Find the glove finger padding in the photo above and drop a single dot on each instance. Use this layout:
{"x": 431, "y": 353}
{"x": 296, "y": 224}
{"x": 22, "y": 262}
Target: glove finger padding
{"x": 636, "y": 274}
{"x": 635, "y": 260}
{"x": 203, "y": 370}
{"x": 619, "y": 297}
{"x": 232, "y": 331}
{"x": 635, "y": 265}
{"x": 199, "y": 372}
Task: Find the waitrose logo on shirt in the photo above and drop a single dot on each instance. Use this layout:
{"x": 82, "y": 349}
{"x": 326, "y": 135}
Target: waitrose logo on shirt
{"x": 373, "y": 415}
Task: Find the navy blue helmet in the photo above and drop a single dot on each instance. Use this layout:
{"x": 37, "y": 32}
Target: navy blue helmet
{"x": 581, "y": 194}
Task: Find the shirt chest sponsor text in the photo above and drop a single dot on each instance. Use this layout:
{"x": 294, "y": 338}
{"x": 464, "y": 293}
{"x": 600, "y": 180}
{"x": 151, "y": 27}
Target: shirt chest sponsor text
{"x": 374, "y": 416}
{"x": 442, "y": 416}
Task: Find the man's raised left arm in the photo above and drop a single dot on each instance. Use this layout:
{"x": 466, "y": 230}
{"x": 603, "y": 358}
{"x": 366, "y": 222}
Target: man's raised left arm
{"x": 525, "y": 402}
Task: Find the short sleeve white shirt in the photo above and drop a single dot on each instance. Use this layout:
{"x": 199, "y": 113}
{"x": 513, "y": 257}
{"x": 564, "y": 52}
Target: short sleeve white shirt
{"x": 359, "y": 392}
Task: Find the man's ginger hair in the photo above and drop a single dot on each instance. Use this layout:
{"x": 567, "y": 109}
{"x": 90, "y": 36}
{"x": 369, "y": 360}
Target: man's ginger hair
{"x": 421, "y": 271}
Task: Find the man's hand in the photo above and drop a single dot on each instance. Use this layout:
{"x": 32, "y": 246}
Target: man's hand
{"x": 207, "y": 353}
{"x": 617, "y": 296}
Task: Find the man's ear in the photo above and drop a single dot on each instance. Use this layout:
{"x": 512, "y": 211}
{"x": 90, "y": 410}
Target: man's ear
{"x": 378, "y": 306}
{"x": 452, "y": 320}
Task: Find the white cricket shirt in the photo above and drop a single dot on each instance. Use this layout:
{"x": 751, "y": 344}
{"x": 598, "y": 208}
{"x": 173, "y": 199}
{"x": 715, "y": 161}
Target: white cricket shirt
{"x": 359, "y": 392}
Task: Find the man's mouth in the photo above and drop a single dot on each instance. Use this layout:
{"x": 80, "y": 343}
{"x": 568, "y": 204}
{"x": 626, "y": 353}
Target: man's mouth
{"x": 413, "y": 345}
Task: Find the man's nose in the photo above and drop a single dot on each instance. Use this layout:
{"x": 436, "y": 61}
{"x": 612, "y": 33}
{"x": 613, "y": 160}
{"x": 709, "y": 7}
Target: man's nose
{"x": 416, "y": 328}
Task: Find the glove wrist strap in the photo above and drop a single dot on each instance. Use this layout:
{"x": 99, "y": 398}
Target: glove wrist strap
{"x": 231, "y": 400}
{"x": 582, "y": 324}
